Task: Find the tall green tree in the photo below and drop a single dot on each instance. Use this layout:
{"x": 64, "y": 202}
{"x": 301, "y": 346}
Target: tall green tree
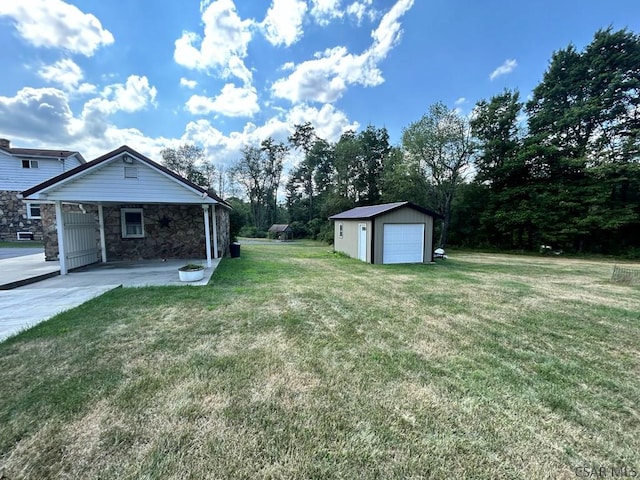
{"x": 584, "y": 138}
{"x": 440, "y": 142}
{"x": 190, "y": 162}
{"x": 274, "y": 154}
{"x": 300, "y": 187}
{"x": 501, "y": 169}
{"x": 258, "y": 171}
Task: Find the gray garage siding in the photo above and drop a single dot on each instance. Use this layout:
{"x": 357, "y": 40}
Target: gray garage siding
{"x": 348, "y": 244}
{"x": 402, "y": 215}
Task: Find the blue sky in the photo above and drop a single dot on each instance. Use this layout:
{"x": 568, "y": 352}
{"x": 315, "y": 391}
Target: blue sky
{"x": 91, "y": 76}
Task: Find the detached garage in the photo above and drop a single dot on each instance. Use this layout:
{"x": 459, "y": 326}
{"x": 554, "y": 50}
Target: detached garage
{"x": 398, "y": 232}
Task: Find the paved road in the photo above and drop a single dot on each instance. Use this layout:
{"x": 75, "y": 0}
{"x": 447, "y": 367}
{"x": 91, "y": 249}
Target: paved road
{"x": 19, "y": 252}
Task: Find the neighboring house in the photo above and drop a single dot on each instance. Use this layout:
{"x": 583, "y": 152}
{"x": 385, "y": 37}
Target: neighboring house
{"x": 281, "y": 231}
{"x": 391, "y": 233}
{"x": 21, "y": 168}
{"x": 125, "y": 206}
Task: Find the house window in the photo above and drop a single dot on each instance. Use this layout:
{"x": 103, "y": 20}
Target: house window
{"x": 132, "y": 222}
{"x": 340, "y": 230}
{"x": 33, "y": 210}
{"x": 29, "y": 163}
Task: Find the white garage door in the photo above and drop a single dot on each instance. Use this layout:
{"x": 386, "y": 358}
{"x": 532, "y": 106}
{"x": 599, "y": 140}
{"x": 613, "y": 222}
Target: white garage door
{"x": 403, "y": 243}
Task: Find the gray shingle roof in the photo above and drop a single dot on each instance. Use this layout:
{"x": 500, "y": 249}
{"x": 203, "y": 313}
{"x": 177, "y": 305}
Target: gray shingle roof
{"x": 375, "y": 210}
{"x": 278, "y": 228}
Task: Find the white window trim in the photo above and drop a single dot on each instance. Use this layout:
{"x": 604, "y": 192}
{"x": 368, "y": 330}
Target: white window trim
{"x": 31, "y": 215}
{"x": 123, "y": 212}
{"x": 30, "y": 163}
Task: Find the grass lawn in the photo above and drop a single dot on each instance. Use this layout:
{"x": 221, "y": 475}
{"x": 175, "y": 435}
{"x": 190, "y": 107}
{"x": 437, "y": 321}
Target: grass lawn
{"x": 22, "y": 244}
{"x": 297, "y": 363}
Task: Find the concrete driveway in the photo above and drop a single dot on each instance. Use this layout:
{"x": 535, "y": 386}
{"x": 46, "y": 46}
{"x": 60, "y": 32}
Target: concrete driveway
{"x": 27, "y": 305}
{"x": 19, "y": 252}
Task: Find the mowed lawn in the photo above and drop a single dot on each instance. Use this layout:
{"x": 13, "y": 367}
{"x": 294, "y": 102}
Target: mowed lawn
{"x": 298, "y": 363}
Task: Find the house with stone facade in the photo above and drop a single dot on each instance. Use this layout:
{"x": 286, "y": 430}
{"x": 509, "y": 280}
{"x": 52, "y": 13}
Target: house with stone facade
{"x": 22, "y": 168}
{"x": 125, "y": 206}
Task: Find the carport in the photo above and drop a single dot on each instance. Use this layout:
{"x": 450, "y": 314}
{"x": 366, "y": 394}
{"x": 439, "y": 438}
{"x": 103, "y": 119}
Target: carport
{"x": 124, "y": 206}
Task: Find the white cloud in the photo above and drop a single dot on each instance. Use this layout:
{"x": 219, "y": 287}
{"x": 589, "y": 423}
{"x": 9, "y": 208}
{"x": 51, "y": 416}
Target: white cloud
{"x": 329, "y": 122}
{"x": 188, "y": 83}
{"x": 56, "y": 24}
{"x": 326, "y": 10}
{"x": 64, "y": 72}
{"x": 39, "y": 112}
{"x": 283, "y": 23}
{"x": 388, "y": 33}
{"x": 507, "y": 67}
{"x": 461, "y": 101}
{"x": 224, "y": 44}
{"x": 42, "y": 118}
{"x": 132, "y": 96}
{"x": 232, "y": 102}
{"x": 325, "y": 78}
{"x": 362, "y": 9}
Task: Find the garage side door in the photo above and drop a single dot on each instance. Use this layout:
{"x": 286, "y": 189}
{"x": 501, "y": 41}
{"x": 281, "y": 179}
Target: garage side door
{"x": 403, "y": 243}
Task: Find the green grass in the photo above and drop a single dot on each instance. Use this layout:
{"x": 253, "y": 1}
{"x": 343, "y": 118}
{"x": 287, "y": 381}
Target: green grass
{"x": 21, "y": 244}
{"x": 298, "y": 363}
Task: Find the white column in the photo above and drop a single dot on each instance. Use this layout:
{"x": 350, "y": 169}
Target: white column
{"x": 215, "y": 231}
{"x": 62, "y": 253}
{"x": 103, "y": 241}
{"x": 207, "y": 233}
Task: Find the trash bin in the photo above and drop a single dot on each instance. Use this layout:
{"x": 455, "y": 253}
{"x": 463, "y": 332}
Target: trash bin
{"x": 235, "y": 249}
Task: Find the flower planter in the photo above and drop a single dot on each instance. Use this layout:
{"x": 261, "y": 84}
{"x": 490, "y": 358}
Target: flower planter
{"x": 191, "y": 273}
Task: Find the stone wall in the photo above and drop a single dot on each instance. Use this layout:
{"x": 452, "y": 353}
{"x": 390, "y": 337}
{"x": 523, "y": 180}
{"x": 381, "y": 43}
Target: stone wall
{"x": 224, "y": 230}
{"x": 171, "y": 231}
{"x": 13, "y": 218}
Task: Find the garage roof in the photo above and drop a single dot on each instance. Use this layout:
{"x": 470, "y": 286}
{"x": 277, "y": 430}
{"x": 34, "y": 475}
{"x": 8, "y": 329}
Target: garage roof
{"x": 372, "y": 211}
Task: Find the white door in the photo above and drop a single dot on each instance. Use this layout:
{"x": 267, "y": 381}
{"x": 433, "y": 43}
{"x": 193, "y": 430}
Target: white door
{"x": 80, "y": 239}
{"x": 362, "y": 241}
{"x": 403, "y": 243}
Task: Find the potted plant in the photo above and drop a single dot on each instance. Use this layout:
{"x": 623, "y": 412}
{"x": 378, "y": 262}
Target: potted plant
{"x": 191, "y": 272}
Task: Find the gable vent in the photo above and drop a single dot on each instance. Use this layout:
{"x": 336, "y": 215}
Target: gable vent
{"x": 130, "y": 172}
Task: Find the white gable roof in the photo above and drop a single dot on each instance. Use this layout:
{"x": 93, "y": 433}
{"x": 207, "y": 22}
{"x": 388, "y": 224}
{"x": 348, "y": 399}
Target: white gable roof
{"x": 121, "y": 176}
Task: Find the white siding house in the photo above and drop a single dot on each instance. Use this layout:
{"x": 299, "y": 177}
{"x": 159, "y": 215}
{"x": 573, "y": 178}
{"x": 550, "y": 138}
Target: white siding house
{"x": 21, "y": 168}
{"x": 128, "y": 207}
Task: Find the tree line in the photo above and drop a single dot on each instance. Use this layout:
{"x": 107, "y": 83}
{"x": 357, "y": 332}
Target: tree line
{"x": 560, "y": 169}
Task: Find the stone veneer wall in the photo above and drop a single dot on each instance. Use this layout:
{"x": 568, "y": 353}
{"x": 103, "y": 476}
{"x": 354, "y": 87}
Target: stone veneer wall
{"x": 13, "y": 217}
{"x": 224, "y": 230}
{"x": 171, "y": 231}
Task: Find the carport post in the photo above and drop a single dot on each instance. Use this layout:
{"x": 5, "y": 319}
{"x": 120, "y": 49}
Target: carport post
{"x": 103, "y": 242}
{"x": 62, "y": 254}
{"x": 207, "y": 233}
{"x": 215, "y": 231}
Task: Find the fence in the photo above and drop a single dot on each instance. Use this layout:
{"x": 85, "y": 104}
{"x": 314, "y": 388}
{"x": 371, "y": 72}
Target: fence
{"x": 625, "y": 275}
